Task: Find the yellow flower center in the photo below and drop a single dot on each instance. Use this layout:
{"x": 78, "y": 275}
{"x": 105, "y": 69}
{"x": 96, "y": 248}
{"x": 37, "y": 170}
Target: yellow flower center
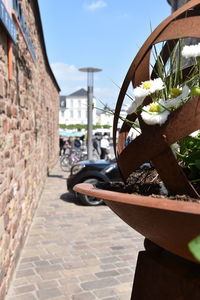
{"x": 154, "y": 107}
{"x": 195, "y": 91}
{"x": 175, "y": 92}
{"x": 147, "y": 85}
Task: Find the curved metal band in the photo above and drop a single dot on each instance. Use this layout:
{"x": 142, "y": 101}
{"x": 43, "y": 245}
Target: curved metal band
{"x": 183, "y": 23}
{"x": 142, "y": 52}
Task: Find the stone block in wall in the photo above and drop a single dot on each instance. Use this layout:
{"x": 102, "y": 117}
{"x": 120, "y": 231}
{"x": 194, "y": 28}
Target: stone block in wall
{"x": 2, "y": 141}
{"x": 3, "y": 289}
{"x": 1, "y": 87}
{"x": 14, "y": 112}
{"x": 2, "y": 107}
{"x": 9, "y": 142}
{"x": 9, "y": 111}
{"x": 2, "y": 226}
{"x": 4, "y": 243}
{"x": 5, "y": 125}
{"x": 3, "y": 186}
{"x": 3, "y": 200}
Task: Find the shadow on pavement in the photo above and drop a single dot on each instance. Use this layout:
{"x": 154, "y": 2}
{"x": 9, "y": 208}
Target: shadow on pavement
{"x": 70, "y": 198}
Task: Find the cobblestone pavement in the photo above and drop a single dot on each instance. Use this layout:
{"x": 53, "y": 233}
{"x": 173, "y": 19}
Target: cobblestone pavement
{"x": 75, "y": 252}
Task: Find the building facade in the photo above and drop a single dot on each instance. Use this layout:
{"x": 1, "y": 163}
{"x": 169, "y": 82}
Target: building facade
{"x": 29, "y": 101}
{"x": 73, "y": 108}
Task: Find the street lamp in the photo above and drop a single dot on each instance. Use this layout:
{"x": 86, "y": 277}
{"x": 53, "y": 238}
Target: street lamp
{"x": 90, "y": 72}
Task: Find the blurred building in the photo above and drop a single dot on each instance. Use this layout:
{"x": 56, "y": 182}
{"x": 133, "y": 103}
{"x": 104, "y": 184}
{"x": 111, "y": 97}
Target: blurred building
{"x": 73, "y": 108}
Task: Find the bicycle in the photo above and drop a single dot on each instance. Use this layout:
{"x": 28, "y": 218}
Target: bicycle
{"x": 71, "y": 158}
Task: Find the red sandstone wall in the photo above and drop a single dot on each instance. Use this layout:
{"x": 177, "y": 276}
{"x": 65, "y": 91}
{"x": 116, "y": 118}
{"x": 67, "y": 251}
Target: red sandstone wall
{"x": 28, "y": 139}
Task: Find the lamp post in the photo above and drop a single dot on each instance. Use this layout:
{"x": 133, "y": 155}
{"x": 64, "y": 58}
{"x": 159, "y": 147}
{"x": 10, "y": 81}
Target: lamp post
{"x": 90, "y": 72}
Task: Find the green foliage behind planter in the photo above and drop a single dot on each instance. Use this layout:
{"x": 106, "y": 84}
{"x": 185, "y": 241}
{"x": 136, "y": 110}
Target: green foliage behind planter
{"x": 82, "y": 126}
{"x": 189, "y": 155}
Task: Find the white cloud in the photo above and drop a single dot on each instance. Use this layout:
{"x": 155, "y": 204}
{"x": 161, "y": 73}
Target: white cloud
{"x": 64, "y": 72}
{"x": 106, "y": 96}
{"x": 70, "y": 80}
{"x": 96, "y": 5}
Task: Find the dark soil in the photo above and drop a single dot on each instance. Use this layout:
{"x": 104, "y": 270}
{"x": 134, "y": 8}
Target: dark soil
{"x": 146, "y": 182}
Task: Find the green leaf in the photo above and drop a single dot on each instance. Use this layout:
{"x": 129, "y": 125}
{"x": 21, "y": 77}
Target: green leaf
{"x": 194, "y": 247}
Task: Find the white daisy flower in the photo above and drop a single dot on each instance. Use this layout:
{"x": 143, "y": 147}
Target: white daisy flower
{"x": 134, "y": 105}
{"x": 191, "y": 51}
{"x": 195, "y": 133}
{"x": 158, "y": 85}
{"x": 175, "y": 102}
{"x": 148, "y": 87}
{"x": 154, "y": 114}
{"x": 140, "y": 93}
{"x": 132, "y": 108}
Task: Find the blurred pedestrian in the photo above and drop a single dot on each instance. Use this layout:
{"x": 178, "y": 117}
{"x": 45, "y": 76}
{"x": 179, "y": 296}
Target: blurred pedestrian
{"x": 96, "y": 144}
{"x": 77, "y": 143}
{"x": 104, "y": 144}
{"x": 61, "y": 145}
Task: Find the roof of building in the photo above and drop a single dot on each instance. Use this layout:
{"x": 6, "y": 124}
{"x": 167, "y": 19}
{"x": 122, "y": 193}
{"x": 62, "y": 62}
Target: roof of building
{"x": 62, "y": 98}
{"x": 79, "y": 93}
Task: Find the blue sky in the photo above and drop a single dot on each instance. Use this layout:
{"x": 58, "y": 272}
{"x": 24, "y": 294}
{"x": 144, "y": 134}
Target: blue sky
{"x": 104, "y": 34}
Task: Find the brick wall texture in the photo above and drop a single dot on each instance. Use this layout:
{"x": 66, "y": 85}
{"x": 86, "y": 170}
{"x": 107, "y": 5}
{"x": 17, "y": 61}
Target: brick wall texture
{"x": 28, "y": 137}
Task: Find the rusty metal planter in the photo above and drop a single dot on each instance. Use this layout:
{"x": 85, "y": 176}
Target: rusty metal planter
{"x": 168, "y": 223}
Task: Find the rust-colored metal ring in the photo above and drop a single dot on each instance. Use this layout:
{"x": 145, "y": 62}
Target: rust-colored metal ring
{"x": 154, "y": 142}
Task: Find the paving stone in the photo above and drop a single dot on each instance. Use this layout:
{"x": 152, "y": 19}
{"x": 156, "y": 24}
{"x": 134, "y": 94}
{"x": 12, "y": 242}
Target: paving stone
{"x": 111, "y": 259}
{"x": 110, "y": 273}
{"x": 102, "y": 293}
{"x": 26, "y": 266}
{"x": 48, "y": 268}
{"x": 87, "y": 277}
{"x": 33, "y": 279}
{"x": 46, "y": 284}
{"x": 25, "y": 273}
{"x": 108, "y": 266}
{"x": 71, "y": 288}
{"x": 24, "y": 289}
{"x": 19, "y": 281}
{"x": 112, "y": 298}
{"x": 98, "y": 284}
{"x": 125, "y": 278}
{"x": 27, "y": 296}
{"x": 51, "y": 275}
{"x": 124, "y": 270}
{"x": 67, "y": 279}
{"x": 48, "y": 293}
{"x": 41, "y": 263}
{"x": 56, "y": 261}
{"x": 30, "y": 259}
{"x": 83, "y": 296}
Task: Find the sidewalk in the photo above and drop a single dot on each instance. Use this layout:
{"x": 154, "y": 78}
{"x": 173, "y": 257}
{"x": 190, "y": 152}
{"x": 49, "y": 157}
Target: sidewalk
{"x": 75, "y": 252}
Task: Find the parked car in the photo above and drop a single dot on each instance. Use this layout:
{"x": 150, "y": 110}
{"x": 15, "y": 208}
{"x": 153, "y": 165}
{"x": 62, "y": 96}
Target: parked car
{"x": 93, "y": 172}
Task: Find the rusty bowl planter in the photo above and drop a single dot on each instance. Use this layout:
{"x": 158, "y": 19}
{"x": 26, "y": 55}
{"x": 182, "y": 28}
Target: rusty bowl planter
{"x": 168, "y": 223}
